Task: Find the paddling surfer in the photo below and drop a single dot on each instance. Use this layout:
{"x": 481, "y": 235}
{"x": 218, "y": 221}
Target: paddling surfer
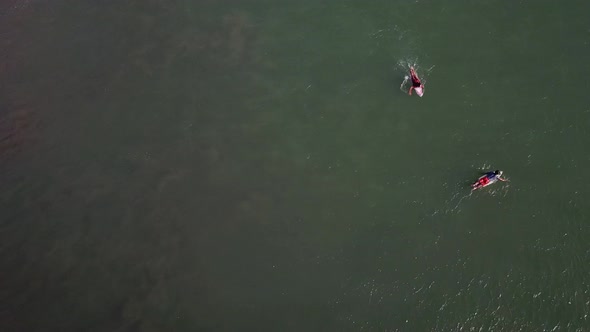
{"x": 416, "y": 83}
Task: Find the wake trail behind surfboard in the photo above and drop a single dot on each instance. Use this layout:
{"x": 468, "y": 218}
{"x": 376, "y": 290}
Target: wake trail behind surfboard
{"x": 452, "y": 205}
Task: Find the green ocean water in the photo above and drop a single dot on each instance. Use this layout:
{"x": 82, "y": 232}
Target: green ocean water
{"x": 255, "y": 166}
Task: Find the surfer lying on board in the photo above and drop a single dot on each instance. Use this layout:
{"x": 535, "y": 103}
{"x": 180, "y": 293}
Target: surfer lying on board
{"x": 416, "y": 83}
{"x": 487, "y": 179}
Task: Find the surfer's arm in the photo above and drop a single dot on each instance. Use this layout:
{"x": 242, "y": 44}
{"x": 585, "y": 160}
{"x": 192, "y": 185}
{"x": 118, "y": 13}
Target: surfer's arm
{"x": 410, "y": 91}
{"x": 502, "y": 179}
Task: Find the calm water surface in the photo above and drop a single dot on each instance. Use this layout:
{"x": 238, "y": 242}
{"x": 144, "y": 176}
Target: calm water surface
{"x": 254, "y": 166}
